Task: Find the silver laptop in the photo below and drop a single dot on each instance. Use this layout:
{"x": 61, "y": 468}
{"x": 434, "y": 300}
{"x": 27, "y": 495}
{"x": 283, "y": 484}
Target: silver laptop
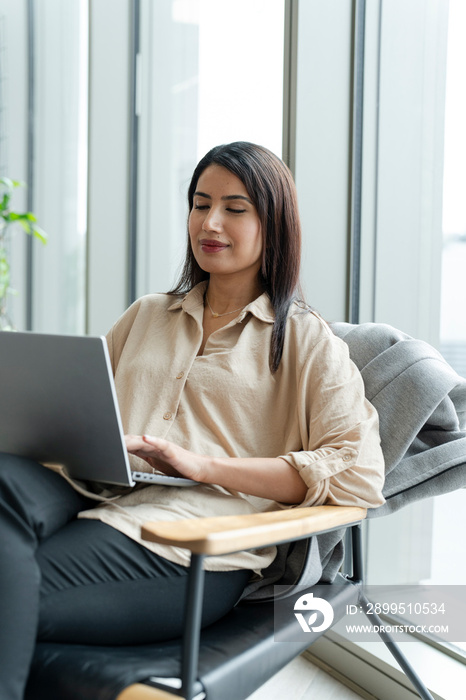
{"x": 58, "y": 404}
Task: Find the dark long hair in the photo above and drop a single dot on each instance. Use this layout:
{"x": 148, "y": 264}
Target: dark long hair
{"x": 270, "y": 186}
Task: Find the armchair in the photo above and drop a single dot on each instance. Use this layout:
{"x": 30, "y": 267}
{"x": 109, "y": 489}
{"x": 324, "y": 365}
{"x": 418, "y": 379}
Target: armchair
{"x": 230, "y": 659}
{"x": 421, "y": 403}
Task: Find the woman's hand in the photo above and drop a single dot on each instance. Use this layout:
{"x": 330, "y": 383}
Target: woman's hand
{"x": 271, "y": 477}
{"x": 167, "y": 457}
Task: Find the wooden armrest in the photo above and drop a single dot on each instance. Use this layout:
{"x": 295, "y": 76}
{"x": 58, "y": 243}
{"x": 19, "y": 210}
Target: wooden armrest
{"x": 139, "y": 691}
{"x": 231, "y": 533}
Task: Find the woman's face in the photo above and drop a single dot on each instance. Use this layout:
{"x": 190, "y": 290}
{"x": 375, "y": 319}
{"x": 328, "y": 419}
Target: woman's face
{"x": 224, "y": 227}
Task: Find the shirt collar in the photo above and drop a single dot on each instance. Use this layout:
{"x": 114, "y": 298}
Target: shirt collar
{"x": 261, "y": 307}
{"x": 192, "y": 300}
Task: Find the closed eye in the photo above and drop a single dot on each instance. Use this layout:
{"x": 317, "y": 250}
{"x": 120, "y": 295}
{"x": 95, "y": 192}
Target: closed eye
{"x": 236, "y": 211}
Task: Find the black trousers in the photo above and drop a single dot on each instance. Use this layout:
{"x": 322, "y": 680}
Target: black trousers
{"x": 81, "y": 581}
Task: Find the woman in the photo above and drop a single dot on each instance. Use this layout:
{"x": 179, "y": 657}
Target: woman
{"x": 226, "y": 380}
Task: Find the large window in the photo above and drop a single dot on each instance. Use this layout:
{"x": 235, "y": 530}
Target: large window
{"x": 222, "y": 81}
{"x": 412, "y": 242}
{"x": 427, "y": 199}
{"x": 59, "y": 46}
{"x": 449, "y": 514}
{"x": 110, "y": 104}
{"x": 43, "y": 131}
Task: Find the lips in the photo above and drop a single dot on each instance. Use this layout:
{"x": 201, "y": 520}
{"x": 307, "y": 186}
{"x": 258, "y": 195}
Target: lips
{"x": 212, "y": 246}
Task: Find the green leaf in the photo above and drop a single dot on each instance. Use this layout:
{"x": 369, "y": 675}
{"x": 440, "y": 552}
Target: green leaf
{"x": 27, "y": 223}
{"x": 39, "y": 233}
{"x": 26, "y": 216}
{"x": 4, "y": 275}
{"x": 11, "y": 217}
{"x": 24, "y": 223}
{"x": 26, "y": 219}
{"x": 5, "y": 202}
{"x": 11, "y": 184}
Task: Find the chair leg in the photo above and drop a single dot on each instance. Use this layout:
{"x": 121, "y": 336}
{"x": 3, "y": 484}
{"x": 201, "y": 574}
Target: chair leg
{"x": 395, "y": 650}
{"x": 356, "y": 553}
{"x": 192, "y": 629}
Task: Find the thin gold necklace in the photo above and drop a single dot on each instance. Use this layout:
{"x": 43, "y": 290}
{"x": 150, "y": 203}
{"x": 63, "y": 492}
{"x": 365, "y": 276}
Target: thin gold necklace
{"x": 216, "y": 315}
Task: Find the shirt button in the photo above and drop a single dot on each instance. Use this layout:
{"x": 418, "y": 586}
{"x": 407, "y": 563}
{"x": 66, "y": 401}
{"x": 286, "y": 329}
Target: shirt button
{"x": 346, "y": 458}
{"x": 167, "y": 416}
{"x": 180, "y": 375}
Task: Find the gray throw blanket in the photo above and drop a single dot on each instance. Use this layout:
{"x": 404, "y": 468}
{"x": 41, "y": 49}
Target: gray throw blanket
{"x": 421, "y": 403}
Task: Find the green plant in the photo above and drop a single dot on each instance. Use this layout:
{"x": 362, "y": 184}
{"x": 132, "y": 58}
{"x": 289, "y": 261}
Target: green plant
{"x": 8, "y": 221}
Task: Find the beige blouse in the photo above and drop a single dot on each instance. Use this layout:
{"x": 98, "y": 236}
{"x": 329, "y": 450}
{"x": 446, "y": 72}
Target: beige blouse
{"x": 226, "y": 403}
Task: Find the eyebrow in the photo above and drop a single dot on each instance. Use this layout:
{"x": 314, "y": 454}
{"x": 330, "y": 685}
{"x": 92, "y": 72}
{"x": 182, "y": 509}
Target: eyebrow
{"x": 225, "y": 198}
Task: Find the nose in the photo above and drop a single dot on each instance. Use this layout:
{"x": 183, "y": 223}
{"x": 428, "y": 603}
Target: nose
{"x": 212, "y": 220}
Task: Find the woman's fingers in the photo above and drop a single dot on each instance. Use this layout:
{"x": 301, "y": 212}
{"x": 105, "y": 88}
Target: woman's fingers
{"x": 166, "y": 456}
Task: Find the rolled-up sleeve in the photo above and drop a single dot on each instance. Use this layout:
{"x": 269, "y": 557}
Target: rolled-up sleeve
{"x": 341, "y": 462}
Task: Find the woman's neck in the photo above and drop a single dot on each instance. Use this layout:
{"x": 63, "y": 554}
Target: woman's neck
{"x": 224, "y": 296}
